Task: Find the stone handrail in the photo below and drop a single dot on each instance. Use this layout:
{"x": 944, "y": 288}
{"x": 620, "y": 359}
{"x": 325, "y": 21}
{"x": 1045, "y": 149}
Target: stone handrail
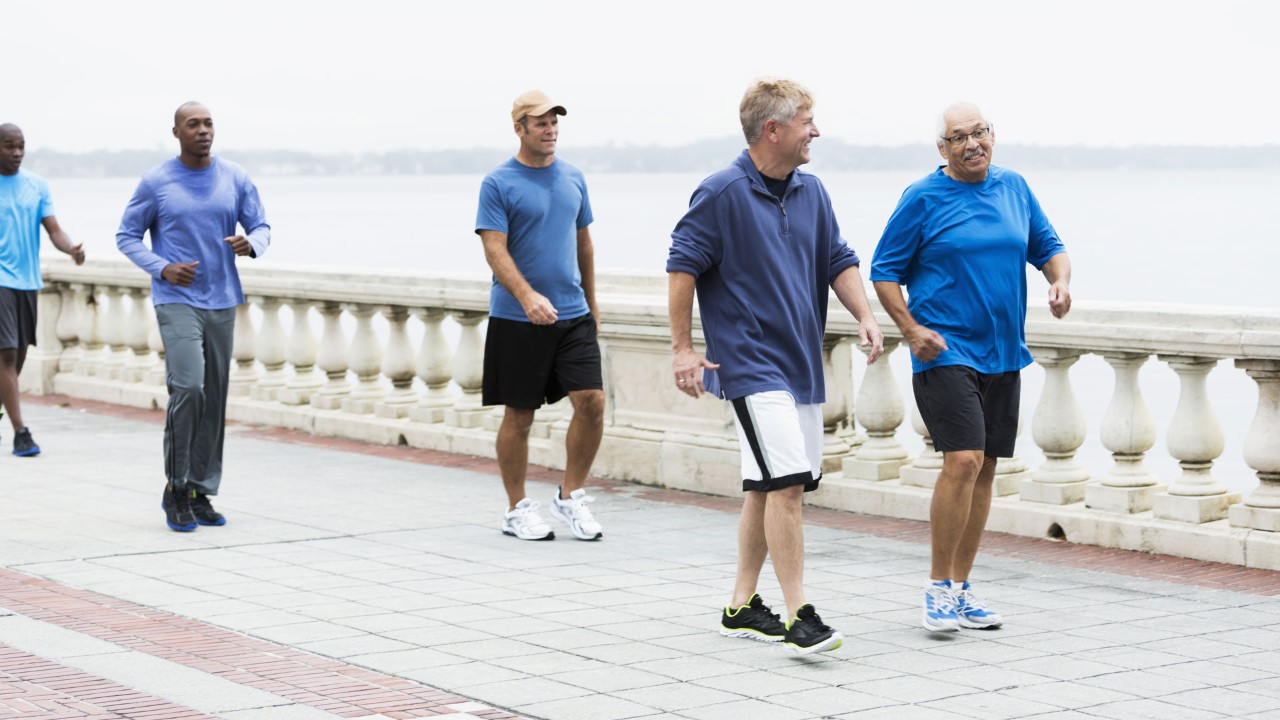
{"x": 395, "y": 357}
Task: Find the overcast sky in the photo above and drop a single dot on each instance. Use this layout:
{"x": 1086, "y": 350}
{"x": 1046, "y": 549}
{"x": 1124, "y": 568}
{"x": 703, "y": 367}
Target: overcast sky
{"x": 378, "y": 75}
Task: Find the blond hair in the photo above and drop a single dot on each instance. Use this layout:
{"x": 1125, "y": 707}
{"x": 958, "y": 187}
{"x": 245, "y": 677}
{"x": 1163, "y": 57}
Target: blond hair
{"x": 771, "y": 99}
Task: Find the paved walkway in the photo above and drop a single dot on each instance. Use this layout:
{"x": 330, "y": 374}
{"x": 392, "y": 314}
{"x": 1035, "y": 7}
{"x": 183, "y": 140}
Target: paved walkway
{"x": 357, "y": 581}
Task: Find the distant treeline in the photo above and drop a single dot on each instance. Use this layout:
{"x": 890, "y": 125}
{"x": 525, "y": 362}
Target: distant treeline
{"x": 704, "y": 156}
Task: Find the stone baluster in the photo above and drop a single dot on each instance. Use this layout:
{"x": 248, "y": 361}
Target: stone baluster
{"x": 156, "y": 374}
{"x": 68, "y": 327}
{"x": 1058, "y": 429}
{"x": 43, "y": 359}
{"x": 270, "y": 345}
{"x": 244, "y": 376}
{"x": 836, "y": 367}
{"x": 365, "y": 359}
{"x": 332, "y": 359}
{"x": 115, "y": 334}
{"x": 300, "y": 352}
{"x": 1261, "y": 510}
{"x": 1128, "y": 431}
{"x": 91, "y": 334}
{"x": 397, "y": 366}
{"x": 136, "y": 336}
{"x": 434, "y": 367}
{"x": 1196, "y": 440}
{"x": 881, "y": 412}
{"x": 923, "y": 471}
{"x": 468, "y": 372}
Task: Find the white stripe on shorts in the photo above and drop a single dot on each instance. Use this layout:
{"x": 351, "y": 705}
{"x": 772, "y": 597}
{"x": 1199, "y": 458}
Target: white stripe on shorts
{"x": 781, "y": 441}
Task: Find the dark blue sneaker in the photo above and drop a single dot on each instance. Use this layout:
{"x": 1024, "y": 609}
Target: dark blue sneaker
{"x": 177, "y": 510}
{"x": 203, "y": 510}
{"x": 24, "y": 445}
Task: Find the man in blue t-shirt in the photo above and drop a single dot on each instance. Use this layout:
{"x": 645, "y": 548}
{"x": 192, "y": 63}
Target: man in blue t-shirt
{"x": 960, "y": 240}
{"x": 25, "y": 205}
{"x": 761, "y": 247}
{"x": 541, "y": 341}
{"x": 190, "y": 205}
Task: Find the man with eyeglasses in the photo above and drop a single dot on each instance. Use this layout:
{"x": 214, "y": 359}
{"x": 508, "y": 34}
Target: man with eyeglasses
{"x": 959, "y": 240}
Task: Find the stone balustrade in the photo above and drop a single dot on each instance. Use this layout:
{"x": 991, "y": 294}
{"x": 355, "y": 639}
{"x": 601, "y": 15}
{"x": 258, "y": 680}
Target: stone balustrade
{"x": 398, "y": 360}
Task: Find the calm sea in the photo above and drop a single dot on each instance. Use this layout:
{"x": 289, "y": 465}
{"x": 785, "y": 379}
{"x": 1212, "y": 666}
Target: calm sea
{"x": 1199, "y": 237}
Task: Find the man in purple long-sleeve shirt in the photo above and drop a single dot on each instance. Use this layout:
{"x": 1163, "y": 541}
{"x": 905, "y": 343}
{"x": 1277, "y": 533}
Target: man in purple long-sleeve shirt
{"x": 190, "y": 206}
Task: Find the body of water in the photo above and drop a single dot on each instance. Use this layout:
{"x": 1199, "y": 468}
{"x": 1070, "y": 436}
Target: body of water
{"x": 1198, "y": 237}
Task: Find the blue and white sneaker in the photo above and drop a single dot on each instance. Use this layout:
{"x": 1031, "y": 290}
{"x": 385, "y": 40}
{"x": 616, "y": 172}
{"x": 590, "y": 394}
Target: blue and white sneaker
{"x": 940, "y": 607}
{"x": 972, "y": 612}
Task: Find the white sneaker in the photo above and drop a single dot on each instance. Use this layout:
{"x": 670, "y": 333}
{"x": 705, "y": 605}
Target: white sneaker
{"x": 574, "y": 513}
{"x": 525, "y": 523}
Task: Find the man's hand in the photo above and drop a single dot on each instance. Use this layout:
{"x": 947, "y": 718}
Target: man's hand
{"x": 180, "y": 274}
{"x": 538, "y": 309}
{"x": 1059, "y": 299}
{"x": 686, "y": 367}
{"x": 869, "y": 335}
{"x": 77, "y": 253}
{"x": 239, "y": 245}
{"x": 925, "y": 344}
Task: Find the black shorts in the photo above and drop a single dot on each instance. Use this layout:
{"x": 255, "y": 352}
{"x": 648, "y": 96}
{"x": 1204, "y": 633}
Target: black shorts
{"x": 967, "y": 410}
{"x": 17, "y": 318}
{"x": 526, "y": 365}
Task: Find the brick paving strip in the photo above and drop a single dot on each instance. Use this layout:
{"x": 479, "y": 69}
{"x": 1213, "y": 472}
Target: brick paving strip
{"x": 1218, "y": 576}
{"x": 328, "y": 685}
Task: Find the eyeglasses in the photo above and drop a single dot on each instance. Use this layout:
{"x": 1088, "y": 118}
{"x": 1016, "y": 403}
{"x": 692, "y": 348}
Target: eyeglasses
{"x": 979, "y": 135}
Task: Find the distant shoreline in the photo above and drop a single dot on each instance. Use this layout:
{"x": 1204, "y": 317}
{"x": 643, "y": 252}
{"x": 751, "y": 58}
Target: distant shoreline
{"x": 705, "y": 156}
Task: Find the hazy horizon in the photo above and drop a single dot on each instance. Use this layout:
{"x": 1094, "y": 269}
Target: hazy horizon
{"x": 390, "y": 74}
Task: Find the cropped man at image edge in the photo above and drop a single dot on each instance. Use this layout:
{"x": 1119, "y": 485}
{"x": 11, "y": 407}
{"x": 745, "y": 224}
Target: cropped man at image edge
{"x": 190, "y": 205}
{"x": 761, "y": 247}
{"x": 25, "y": 205}
{"x": 541, "y": 342}
{"x": 960, "y": 240}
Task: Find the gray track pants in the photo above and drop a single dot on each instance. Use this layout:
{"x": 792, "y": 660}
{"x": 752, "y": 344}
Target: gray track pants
{"x": 197, "y": 359}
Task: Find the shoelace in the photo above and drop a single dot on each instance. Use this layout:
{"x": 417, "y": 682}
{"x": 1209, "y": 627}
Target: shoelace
{"x": 579, "y": 508}
{"x": 967, "y": 602}
{"x": 528, "y": 515}
{"x": 944, "y": 599}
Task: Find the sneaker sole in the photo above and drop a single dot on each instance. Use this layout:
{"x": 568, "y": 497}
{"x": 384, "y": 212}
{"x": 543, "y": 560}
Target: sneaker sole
{"x": 220, "y": 523}
{"x": 27, "y": 453}
{"x": 830, "y": 643}
{"x": 751, "y": 635}
{"x": 549, "y": 536}
{"x": 971, "y": 625}
{"x": 941, "y": 627}
{"x": 572, "y": 529}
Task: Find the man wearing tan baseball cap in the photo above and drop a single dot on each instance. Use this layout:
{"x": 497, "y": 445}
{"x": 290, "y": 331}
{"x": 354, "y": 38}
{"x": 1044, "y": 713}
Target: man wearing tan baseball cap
{"x": 541, "y": 343}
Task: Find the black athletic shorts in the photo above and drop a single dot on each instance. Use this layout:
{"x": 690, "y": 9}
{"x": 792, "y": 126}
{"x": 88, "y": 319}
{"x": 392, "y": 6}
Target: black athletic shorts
{"x": 967, "y": 410}
{"x": 526, "y": 365}
{"x": 17, "y": 318}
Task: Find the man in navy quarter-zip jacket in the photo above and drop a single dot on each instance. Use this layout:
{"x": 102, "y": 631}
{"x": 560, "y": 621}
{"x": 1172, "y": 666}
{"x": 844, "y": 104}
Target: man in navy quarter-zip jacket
{"x": 761, "y": 246}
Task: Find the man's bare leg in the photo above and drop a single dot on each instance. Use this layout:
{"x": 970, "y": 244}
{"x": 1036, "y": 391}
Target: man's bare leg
{"x": 11, "y": 361}
{"x": 583, "y": 439}
{"x": 784, "y": 533}
{"x": 950, "y": 508}
{"x": 752, "y": 548}
{"x": 979, "y": 509}
{"x": 513, "y": 452}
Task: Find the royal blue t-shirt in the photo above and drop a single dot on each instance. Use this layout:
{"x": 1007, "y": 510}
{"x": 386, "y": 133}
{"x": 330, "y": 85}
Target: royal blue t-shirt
{"x": 189, "y": 213}
{"x": 24, "y": 202}
{"x": 961, "y": 249}
{"x": 541, "y": 211}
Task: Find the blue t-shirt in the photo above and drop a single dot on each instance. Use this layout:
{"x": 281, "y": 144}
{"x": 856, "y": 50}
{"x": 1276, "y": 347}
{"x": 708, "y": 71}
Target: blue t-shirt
{"x": 961, "y": 249}
{"x": 764, "y": 266}
{"x": 189, "y": 214}
{"x": 541, "y": 211}
{"x": 24, "y": 202}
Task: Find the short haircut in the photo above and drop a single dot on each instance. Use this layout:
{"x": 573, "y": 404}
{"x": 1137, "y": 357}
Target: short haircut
{"x": 771, "y": 99}
{"x": 184, "y": 106}
{"x": 952, "y": 109}
{"x": 10, "y": 128}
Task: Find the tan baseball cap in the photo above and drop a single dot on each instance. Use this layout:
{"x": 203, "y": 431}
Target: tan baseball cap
{"x": 534, "y": 102}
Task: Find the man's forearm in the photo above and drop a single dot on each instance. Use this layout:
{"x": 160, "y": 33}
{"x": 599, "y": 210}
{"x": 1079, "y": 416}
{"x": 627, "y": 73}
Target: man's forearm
{"x": 895, "y": 305}
{"x": 852, "y": 294}
{"x": 1058, "y": 269}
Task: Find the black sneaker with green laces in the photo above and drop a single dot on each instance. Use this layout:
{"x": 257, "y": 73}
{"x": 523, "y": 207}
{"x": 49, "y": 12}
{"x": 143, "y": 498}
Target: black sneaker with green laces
{"x": 806, "y": 633}
{"x": 754, "y": 620}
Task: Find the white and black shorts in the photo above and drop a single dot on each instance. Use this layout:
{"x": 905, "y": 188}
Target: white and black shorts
{"x": 781, "y": 441}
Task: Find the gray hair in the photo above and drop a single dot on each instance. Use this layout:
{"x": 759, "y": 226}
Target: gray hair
{"x": 952, "y": 109}
{"x": 771, "y": 99}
